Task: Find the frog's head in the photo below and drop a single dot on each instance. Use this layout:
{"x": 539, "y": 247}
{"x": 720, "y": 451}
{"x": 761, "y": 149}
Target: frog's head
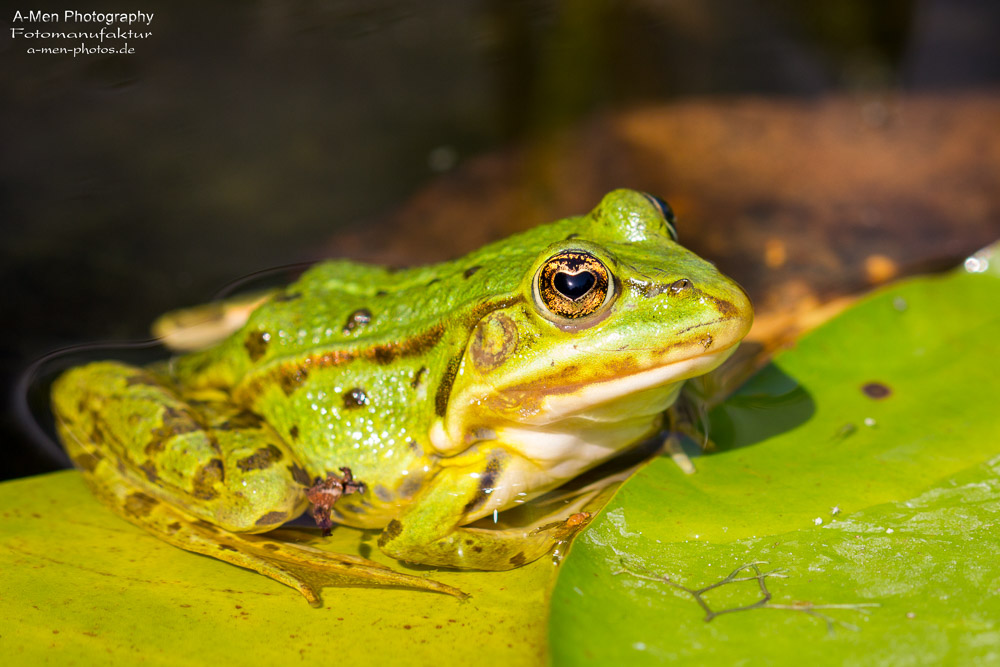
{"x": 607, "y": 323}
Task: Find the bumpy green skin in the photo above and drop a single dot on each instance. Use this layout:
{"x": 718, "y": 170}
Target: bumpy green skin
{"x": 450, "y": 390}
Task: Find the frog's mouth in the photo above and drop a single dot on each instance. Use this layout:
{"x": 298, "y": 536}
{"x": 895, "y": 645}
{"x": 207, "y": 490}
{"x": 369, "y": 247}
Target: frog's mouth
{"x": 570, "y": 429}
{"x": 592, "y": 403}
{"x": 648, "y": 391}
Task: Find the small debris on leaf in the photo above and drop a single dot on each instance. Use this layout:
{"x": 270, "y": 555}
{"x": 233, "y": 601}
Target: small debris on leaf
{"x": 876, "y": 390}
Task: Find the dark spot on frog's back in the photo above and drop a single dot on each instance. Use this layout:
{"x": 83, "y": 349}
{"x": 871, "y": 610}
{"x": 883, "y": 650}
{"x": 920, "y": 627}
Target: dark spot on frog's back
{"x": 414, "y": 345}
{"x": 261, "y": 459}
{"x": 355, "y": 398}
{"x": 157, "y": 444}
{"x": 410, "y": 486}
{"x": 358, "y": 318}
{"x": 175, "y": 422}
{"x": 256, "y": 344}
{"x": 418, "y": 377}
{"x": 87, "y": 462}
{"x": 518, "y": 559}
{"x": 300, "y": 475}
{"x": 206, "y": 526}
{"x": 149, "y": 470}
{"x": 205, "y": 478}
{"x": 138, "y": 504}
{"x": 293, "y": 432}
{"x": 471, "y": 271}
{"x": 272, "y": 519}
{"x": 241, "y": 420}
{"x": 97, "y": 435}
{"x": 391, "y": 532}
{"x": 292, "y": 379}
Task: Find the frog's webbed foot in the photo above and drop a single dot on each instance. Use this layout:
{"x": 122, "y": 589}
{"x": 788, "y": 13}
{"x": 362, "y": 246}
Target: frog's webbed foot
{"x": 201, "y": 479}
{"x": 675, "y": 450}
{"x": 304, "y": 568}
{"x": 688, "y": 417}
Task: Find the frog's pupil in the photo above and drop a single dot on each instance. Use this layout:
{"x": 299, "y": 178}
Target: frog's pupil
{"x": 573, "y": 285}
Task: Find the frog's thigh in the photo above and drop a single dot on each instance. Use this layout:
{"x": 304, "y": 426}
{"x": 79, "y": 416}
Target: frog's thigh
{"x": 430, "y": 532}
{"x": 129, "y": 434}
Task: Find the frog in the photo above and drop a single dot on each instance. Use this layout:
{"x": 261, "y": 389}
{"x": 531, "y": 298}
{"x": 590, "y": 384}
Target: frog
{"x": 416, "y": 402}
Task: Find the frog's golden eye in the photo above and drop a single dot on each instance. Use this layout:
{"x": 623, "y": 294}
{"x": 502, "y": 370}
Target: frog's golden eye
{"x": 667, "y": 213}
{"x": 573, "y": 284}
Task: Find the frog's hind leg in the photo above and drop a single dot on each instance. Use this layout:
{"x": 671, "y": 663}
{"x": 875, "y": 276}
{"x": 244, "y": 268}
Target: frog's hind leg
{"x": 212, "y": 461}
{"x": 199, "y": 478}
{"x": 304, "y": 568}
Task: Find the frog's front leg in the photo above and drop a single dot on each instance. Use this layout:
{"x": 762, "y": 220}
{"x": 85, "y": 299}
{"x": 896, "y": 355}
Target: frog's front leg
{"x": 200, "y": 475}
{"x": 431, "y": 530}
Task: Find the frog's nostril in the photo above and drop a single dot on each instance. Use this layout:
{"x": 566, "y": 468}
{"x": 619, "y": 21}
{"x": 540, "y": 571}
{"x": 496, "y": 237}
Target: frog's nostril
{"x": 679, "y": 286}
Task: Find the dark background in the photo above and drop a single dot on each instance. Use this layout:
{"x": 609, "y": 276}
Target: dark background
{"x": 242, "y": 136}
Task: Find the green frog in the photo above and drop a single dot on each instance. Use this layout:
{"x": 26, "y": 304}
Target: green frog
{"x": 442, "y": 394}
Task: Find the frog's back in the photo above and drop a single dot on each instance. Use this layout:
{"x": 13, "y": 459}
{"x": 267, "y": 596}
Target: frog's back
{"x": 349, "y": 309}
{"x": 349, "y": 363}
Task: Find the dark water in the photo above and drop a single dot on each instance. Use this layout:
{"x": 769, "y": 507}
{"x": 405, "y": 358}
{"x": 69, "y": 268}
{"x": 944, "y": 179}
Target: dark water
{"x": 241, "y": 135}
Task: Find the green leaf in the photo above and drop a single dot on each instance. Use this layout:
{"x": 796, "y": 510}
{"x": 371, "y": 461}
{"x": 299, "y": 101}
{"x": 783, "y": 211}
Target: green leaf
{"x": 862, "y": 465}
{"x": 78, "y": 582}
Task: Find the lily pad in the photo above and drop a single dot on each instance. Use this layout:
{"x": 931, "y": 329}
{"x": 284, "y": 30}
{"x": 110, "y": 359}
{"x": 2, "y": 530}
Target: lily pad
{"x": 852, "y": 508}
{"x": 78, "y": 582}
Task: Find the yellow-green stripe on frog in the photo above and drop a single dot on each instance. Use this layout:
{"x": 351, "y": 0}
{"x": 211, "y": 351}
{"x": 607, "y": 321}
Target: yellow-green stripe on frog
{"x": 450, "y": 391}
